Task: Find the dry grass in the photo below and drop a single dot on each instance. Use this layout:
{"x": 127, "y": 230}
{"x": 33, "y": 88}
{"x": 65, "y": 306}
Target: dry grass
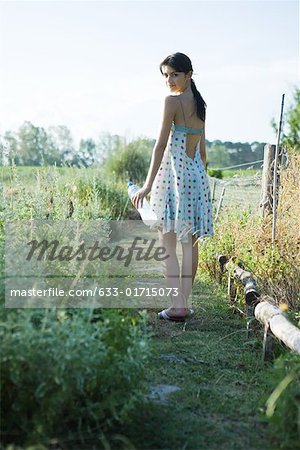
{"x": 243, "y": 234}
{"x": 288, "y": 232}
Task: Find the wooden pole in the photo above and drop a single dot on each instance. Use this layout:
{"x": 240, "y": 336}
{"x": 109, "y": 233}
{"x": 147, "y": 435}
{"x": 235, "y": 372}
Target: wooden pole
{"x": 275, "y": 175}
{"x": 220, "y": 203}
{"x": 231, "y": 289}
{"x": 273, "y": 318}
{"x": 213, "y": 191}
{"x": 267, "y": 181}
{"x": 222, "y": 261}
{"x": 250, "y": 287}
{"x": 268, "y": 344}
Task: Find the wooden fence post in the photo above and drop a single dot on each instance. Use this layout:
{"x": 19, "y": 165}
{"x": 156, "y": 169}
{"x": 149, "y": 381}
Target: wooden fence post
{"x": 220, "y": 203}
{"x": 213, "y": 191}
{"x": 222, "y": 261}
{"x": 268, "y": 345}
{"x": 267, "y": 182}
{"x": 266, "y": 203}
{"x": 231, "y": 288}
{"x": 276, "y": 175}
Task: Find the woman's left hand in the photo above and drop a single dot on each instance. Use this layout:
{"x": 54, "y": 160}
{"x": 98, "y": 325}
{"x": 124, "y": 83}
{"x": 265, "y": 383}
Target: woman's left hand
{"x": 137, "y": 198}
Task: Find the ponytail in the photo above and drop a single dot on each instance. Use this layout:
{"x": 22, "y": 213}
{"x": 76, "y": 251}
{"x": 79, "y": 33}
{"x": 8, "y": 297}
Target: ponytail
{"x": 201, "y": 105}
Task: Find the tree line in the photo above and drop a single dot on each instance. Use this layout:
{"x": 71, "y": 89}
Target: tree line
{"x": 34, "y": 146}
{"x": 31, "y": 145}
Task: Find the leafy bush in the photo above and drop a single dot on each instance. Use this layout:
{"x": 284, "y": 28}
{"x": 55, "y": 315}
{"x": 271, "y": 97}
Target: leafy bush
{"x": 131, "y": 163}
{"x": 79, "y": 371}
{"x": 216, "y": 173}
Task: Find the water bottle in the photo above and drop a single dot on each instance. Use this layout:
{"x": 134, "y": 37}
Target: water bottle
{"x": 147, "y": 214}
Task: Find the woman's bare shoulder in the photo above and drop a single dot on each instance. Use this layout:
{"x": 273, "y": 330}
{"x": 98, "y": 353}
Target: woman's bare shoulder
{"x": 171, "y": 102}
{"x": 171, "y": 98}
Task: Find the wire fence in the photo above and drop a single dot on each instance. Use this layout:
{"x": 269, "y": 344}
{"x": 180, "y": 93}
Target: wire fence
{"x": 238, "y": 192}
{"x": 252, "y": 163}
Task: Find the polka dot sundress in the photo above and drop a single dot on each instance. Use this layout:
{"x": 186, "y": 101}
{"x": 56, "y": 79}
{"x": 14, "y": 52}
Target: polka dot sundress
{"x": 180, "y": 194}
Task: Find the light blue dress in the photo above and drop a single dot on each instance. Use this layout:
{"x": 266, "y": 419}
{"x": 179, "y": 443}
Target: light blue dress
{"x": 180, "y": 194}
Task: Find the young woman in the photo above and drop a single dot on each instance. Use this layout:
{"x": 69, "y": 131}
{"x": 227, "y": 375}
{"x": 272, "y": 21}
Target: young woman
{"x": 177, "y": 180}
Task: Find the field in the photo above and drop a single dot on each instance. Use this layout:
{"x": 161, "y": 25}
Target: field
{"x": 95, "y": 378}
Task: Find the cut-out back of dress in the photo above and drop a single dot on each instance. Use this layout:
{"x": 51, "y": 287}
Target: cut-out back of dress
{"x": 188, "y": 130}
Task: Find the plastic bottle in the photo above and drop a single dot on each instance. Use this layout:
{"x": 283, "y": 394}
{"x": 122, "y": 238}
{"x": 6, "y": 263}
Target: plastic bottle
{"x": 146, "y": 212}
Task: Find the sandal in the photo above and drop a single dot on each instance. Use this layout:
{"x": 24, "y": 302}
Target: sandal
{"x": 165, "y": 316}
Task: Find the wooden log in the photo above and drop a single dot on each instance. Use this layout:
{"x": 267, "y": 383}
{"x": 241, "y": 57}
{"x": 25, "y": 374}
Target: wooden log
{"x": 272, "y": 317}
{"x": 222, "y": 259}
{"x": 250, "y": 287}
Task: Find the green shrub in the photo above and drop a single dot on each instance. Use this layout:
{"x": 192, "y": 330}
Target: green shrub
{"x": 75, "y": 370}
{"x": 131, "y": 163}
{"x": 216, "y": 173}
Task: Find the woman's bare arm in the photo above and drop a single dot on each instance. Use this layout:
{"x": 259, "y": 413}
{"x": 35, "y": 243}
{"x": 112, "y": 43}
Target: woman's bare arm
{"x": 169, "y": 110}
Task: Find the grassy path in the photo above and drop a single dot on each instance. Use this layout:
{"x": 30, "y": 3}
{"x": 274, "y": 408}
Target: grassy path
{"x": 221, "y": 380}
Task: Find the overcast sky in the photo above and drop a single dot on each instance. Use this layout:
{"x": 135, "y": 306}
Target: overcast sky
{"x": 94, "y": 65}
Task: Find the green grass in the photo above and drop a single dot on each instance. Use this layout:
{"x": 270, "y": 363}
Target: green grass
{"x": 241, "y": 173}
{"x": 26, "y": 173}
{"x": 222, "y": 380}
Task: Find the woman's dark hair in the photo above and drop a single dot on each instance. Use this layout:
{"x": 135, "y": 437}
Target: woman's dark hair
{"x": 182, "y": 63}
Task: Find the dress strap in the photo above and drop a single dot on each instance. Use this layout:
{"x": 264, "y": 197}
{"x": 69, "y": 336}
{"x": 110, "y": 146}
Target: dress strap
{"x": 182, "y": 111}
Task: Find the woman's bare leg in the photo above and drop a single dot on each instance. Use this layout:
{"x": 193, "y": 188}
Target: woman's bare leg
{"x": 171, "y": 272}
{"x": 189, "y": 266}
{"x": 195, "y": 257}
